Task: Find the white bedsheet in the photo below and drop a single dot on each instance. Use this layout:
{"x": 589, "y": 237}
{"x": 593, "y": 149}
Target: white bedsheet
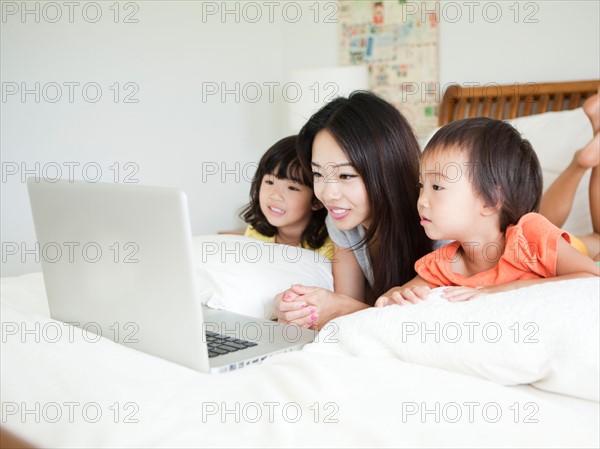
{"x": 371, "y": 399}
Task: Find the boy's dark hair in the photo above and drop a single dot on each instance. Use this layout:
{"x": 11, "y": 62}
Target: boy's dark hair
{"x": 382, "y": 148}
{"x": 281, "y": 161}
{"x": 502, "y": 165}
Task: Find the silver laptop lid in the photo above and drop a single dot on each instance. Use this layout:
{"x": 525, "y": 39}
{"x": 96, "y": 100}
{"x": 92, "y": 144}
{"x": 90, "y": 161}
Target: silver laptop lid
{"x": 117, "y": 259}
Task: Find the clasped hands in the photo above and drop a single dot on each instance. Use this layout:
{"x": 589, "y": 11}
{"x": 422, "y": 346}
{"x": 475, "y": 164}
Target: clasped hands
{"x": 307, "y": 307}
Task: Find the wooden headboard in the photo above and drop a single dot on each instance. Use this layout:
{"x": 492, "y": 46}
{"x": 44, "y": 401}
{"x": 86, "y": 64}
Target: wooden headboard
{"x": 513, "y": 100}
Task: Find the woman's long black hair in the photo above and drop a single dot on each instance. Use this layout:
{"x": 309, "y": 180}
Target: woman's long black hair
{"x": 381, "y": 146}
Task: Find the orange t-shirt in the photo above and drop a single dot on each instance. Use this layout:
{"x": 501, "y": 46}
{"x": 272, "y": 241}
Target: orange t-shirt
{"x": 529, "y": 253}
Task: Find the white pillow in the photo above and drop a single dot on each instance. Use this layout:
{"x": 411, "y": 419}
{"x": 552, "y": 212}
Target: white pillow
{"x": 243, "y": 275}
{"x": 548, "y": 336}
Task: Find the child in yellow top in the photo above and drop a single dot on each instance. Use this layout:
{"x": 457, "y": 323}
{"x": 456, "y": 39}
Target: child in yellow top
{"x": 283, "y": 208}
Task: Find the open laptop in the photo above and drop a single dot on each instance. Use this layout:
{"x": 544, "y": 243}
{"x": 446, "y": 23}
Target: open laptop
{"x": 118, "y": 261}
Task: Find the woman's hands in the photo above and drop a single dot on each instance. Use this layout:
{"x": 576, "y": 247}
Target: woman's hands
{"x": 290, "y": 308}
{"x": 312, "y": 307}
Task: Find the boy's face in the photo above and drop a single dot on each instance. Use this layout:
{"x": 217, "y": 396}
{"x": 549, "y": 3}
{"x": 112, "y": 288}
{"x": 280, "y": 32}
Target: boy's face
{"x": 448, "y": 205}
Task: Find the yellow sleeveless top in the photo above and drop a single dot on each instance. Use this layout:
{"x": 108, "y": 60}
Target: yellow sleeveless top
{"x": 326, "y": 250}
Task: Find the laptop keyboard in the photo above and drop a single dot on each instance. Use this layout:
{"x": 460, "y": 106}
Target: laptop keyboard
{"x": 222, "y": 344}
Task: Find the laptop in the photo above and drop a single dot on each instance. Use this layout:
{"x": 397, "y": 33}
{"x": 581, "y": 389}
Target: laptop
{"x": 118, "y": 261}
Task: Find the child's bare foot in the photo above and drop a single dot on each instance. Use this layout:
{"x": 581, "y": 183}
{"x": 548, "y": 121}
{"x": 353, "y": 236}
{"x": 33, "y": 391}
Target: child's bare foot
{"x": 591, "y": 106}
{"x": 590, "y": 155}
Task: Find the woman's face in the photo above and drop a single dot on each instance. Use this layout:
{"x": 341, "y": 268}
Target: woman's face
{"x": 337, "y": 184}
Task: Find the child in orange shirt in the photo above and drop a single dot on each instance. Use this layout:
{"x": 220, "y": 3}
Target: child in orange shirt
{"x": 481, "y": 185}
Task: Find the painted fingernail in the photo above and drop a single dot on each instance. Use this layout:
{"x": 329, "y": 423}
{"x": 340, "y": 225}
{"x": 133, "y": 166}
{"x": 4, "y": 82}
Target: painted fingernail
{"x": 288, "y": 296}
{"x": 303, "y": 304}
{"x": 314, "y": 317}
{"x": 312, "y": 309}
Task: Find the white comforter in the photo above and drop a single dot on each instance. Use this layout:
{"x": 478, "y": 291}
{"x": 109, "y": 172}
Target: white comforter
{"x": 367, "y": 381}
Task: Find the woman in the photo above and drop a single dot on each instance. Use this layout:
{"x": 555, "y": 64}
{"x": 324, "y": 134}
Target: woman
{"x": 365, "y": 161}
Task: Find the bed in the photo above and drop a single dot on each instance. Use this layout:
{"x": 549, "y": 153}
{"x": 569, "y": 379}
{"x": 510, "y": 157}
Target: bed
{"x": 518, "y": 370}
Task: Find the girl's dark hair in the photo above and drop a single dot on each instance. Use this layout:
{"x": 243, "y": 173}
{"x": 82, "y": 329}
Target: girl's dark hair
{"x": 382, "y": 148}
{"x": 502, "y": 165}
{"x": 281, "y": 161}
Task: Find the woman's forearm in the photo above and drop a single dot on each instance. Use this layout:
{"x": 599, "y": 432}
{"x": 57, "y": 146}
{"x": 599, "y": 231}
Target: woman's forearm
{"x": 347, "y": 305}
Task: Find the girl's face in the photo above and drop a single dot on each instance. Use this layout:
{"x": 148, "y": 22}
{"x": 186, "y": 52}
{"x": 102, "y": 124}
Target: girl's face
{"x": 337, "y": 184}
{"x": 448, "y": 205}
{"x": 286, "y": 204}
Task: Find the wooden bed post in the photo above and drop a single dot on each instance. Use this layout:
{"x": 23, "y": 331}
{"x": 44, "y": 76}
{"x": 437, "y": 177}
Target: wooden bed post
{"x": 510, "y": 101}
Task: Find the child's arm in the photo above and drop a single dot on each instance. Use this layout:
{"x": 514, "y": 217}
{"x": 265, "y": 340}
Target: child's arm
{"x": 413, "y": 291}
{"x": 570, "y": 264}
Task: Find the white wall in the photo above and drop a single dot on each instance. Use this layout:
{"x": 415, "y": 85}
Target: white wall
{"x": 176, "y": 47}
{"x": 171, "y": 134}
{"x": 550, "y": 41}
